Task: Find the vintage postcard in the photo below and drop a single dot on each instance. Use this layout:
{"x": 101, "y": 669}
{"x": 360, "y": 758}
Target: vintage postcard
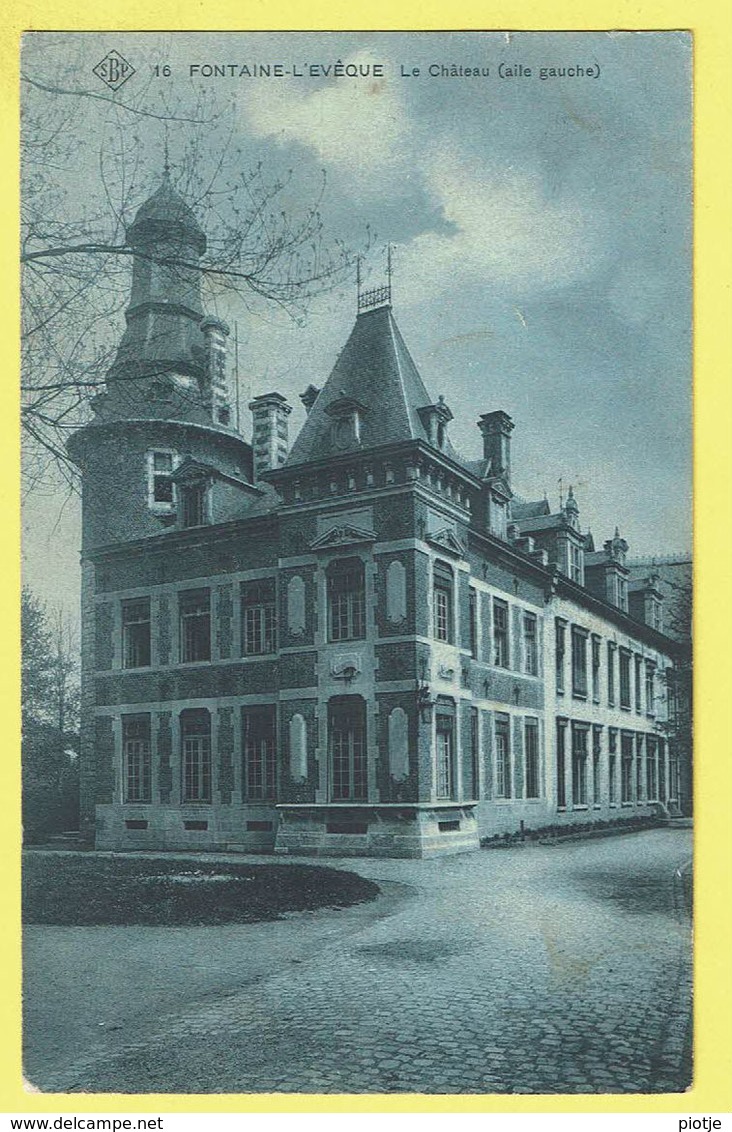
{"x": 357, "y": 563}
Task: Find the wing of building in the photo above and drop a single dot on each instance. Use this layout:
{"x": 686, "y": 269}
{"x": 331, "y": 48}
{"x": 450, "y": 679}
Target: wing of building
{"x": 360, "y": 644}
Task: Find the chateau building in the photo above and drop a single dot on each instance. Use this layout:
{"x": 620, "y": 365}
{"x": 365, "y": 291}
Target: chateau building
{"x": 361, "y": 643}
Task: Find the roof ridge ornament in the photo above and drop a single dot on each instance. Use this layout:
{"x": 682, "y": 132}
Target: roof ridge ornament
{"x": 373, "y": 297}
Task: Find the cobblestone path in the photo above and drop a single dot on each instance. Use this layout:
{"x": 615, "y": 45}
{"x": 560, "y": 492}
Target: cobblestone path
{"x": 531, "y": 970}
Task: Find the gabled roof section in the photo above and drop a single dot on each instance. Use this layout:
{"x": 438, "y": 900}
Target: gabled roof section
{"x": 374, "y": 370}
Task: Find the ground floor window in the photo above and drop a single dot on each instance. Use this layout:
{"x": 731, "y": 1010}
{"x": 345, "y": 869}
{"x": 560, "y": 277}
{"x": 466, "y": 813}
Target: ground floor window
{"x": 661, "y": 772}
{"x": 579, "y": 765}
{"x": 137, "y": 758}
{"x": 626, "y": 768}
{"x": 531, "y": 758}
{"x": 195, "y": 730}
{"x": 639, "y": 783}
{"x": 260, "y": 753}
{"x": 347, "y": 742}
{"x": 475, "y": 752}
{"x": 503, "y": 756}
{"x": 596, "y": 744}
{"x": 445, "y": 768}
{"x": 561, "y": 764}
{"x": 612, "y": 765}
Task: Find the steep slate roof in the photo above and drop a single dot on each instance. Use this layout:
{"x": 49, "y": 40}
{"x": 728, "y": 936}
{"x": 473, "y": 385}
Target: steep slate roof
{"x": 375, "y": 369}
{"x": 520, "y": 509}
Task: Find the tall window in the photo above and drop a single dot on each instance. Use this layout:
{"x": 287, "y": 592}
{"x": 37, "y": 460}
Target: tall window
{"x": 662, "y": 795}
{"x": 626, "y": 767}
{"x": 596, "y": 669}
{"x": 137, "y": 760}
{"x": 650, "y": 697}
{"x": 596, "y": 746}
{"x": 195, "y": 734}
{"x": 347, "y": 740}
{"x": 503, "y": 756}
{"x": 475, "y": 751}
{"x": 442, "y": 602}
{"x": 500, "y": 634}
{"x": 560, "y": 638}
{"x": 579, "y": 765}
{"x": 160, "y": 468}
{"x": 136, "y": 633}
{"x": 259, "y": 741}
{"x": 346, "y": 600}
{"x": 652, "y": 769}
{"x": 612, "y": 765}
{"x": 611, "y": 674}
{"x": 195, "y": 625}
{"x": 623, "y": 594}
{"x": 445, "y": 754}
{"x": 194, "y": 505}
{"x": 531, "y": 649}
{"x": 531, "y": 758}
{"x": 624, "y": 679}
{"x": 575, "y": 564}
{"x": 258, "y": 617}
{"x": 561, "y": 764}
{"x": 639, "y": 783}
{"x": 473, "y": 621}
{"x": 639, "y": 683}
{"x": 579, "y": 662}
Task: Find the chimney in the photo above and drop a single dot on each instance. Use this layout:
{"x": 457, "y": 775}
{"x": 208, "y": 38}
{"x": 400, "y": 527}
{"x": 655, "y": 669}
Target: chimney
{"x": 215, "y": 333}
{"x": 496, "y": 429}
{"x": 269, "y": 433}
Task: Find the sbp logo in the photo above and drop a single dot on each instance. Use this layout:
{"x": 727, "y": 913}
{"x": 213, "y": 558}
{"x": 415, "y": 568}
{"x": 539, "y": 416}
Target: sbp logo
{"x": 114, "y": 70}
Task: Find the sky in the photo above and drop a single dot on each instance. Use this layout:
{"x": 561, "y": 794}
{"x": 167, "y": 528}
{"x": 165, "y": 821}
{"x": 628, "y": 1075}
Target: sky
{"x": 541, "y": 234}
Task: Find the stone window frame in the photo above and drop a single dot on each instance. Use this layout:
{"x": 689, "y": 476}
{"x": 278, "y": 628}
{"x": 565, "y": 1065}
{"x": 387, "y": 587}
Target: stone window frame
{"x": 580, "y": 754}
{"x": 560, "y": 654}
{"x": 259, "y": 752}
{"x": 345, "y": 583}
{"x": 578, "y": 647}
{"x": 443, "y": 602}
{"x": 186, "y": 628}
{"x": 137, "y": 757}
{"x": 530, "y": 642}
{"x": 348, "y": 716}
{"x": 158, "y": 506}
{"x": 532, "y": 759}
{"x": 445, "y": 751}
{"x": 196, "y": 756}
{"x": 130, "y": 624}
{"x": 503, "y": 769}
{"x": 258, "y": 616}
{"x": 501, "y": 633}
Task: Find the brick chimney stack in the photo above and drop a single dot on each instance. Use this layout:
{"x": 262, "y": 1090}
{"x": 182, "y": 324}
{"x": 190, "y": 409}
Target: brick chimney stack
{"x": 269, "y": 433}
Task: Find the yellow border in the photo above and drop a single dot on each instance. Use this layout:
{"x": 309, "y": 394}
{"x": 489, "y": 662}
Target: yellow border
{"x": 709, "y": 20}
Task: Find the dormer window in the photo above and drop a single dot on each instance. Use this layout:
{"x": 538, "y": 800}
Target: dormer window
{"x": 347, "y": 415}
{"x": 576, "y": 564}
{"x": 435, "y": 419}
{"x": 161, "y": 464}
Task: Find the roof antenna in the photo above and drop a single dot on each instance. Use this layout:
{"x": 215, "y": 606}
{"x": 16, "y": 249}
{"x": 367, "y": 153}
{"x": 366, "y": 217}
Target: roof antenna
{"x": 388, "y": 272}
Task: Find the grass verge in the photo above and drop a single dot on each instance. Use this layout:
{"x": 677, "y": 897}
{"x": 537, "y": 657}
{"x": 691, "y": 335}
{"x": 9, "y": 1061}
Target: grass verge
{"x": 90, "y": 889}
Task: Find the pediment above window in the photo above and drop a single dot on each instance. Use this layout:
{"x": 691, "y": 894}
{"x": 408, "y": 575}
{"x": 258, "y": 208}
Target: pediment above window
{"x": 191, "y": 471}
{"x": 447, "y": 541}
{"x": 346, "y": 535}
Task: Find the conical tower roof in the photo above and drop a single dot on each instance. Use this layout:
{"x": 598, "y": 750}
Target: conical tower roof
{"x": 374, "y": 370}
{"x": 166, "y": 215}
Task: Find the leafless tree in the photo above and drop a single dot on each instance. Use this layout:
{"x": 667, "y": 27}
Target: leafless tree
{"x": 262, "y": 248}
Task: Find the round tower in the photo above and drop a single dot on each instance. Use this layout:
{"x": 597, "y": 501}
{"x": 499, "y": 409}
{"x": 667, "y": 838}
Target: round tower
{"x": 165, "y": 400}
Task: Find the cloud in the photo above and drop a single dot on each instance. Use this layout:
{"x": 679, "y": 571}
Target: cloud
{"x": 358, "y": 126}
{"x": 500, "y": 226}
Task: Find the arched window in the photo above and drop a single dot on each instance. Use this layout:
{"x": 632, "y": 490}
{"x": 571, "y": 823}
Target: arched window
{"x": 195, "y": 734}
{"x": 346, "y": 600}
{"x": 347, "y": 748}
{"x": 258, "y": 730}
{"x": 443, "y": 602}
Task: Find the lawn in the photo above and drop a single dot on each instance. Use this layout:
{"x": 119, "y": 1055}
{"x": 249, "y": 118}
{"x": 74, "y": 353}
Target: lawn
{"x": 86, "y": 888}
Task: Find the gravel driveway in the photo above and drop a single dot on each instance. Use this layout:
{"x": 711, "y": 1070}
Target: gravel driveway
{"x": 538, "y": 969}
